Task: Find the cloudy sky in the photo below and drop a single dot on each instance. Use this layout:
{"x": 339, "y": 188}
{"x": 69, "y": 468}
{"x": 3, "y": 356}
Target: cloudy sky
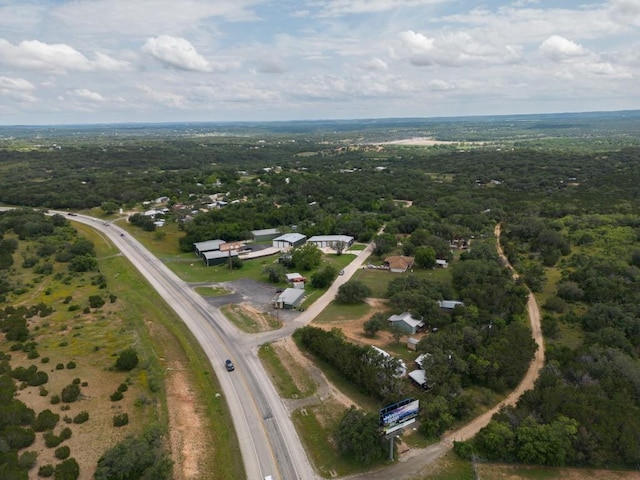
{"x": 93, "y": 61}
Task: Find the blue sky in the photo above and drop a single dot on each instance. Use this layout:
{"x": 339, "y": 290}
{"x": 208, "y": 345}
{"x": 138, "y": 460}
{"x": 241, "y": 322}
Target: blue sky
{"x": 92, "y": 61}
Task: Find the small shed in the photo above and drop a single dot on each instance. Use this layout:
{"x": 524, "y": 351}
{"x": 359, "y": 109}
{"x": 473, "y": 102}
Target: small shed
{"x": 208, "y": 246}
{"x": 442, "y": 263}
{"x": 419, "y": 377}
{"x": 289, "y": 241}
{"x": 216, "y": 257}
{"x": 406, "y": 322}
{"x": 449, "y": 305}
{"x": 412, "y": 343}
{"x": 289, "y": 298}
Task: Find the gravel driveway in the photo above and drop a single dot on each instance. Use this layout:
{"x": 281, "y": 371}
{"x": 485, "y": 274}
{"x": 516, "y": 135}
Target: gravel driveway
{"x": 257, "y": 294}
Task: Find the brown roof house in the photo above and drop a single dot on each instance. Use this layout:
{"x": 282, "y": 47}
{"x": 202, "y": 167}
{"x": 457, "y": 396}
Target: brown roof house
{"x": 398, "y": 264}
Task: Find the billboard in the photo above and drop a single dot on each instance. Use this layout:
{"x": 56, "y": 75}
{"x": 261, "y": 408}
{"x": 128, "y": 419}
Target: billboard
{"x": 399, "y": 415}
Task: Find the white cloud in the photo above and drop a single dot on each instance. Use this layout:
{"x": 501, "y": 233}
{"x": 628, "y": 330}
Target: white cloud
{"x": 559, "y": 49}
{"x": 454, "y": 50}
{"x": 176, "y": 52}
{"x": 86, "y": 94}
{"x": 373, "y": 64}
{"x": 20, "y": 84}
{"x": 58, "y": 57}
{"x": 271, "y": 65}
{"x": 143, "y": 18}
{"x": 347, "y": 7}
{"x": 626, "y": 11}
{"x": 166, "y": 98}
{"x": 17, "y": 89}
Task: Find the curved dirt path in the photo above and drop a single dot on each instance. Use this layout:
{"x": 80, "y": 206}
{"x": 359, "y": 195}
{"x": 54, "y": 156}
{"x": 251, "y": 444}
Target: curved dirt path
{"x": 414, "y": 461}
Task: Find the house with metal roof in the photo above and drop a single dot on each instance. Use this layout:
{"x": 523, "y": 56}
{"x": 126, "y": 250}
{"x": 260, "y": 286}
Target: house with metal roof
{"x": 406, "y": 322}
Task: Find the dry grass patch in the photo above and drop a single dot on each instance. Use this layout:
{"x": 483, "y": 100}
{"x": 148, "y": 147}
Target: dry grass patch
{"x": 249, "y": 319}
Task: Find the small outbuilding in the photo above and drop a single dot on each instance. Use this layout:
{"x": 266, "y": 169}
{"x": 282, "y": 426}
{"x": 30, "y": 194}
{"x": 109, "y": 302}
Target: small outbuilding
{"x": 419, "y": 377}
{"x": 289, "y": 298}
{"x": 442, "y": 263}
{"x": 289, "y": 241}
{"x": 449, "y": 305}
{"x": 406, "y": 322}
{"x": 412, "y": 343}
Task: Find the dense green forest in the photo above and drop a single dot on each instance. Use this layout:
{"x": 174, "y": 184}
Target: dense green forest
{"x": 566, "y": 191}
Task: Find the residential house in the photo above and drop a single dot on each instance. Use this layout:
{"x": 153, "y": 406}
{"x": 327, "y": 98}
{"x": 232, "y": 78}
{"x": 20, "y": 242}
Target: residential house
{"x": 398, "y": 264}
{"x": 406, "y": 322}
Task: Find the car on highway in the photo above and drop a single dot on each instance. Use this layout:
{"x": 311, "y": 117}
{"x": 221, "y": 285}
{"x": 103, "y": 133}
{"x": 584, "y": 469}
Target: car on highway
{"x": 229, "y": 364}
{"x": 71, "y": 214}
{"x": 341, "y": 272}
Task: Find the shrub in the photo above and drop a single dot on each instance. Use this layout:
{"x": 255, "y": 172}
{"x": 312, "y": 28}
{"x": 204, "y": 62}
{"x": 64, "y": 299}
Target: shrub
{"x": 44, "y": 359}
{"x": 43, "y": 392}
{"x": 96, "y": 301}
{"x": 76, "y": 381}
{"x": 38, "y": 378}
{"x": 120, "y": 420}
{"x": 123, "y": 387}
{"x": 55, "y": 399}
{"x": 81, "y": 417}
{"x": 62, "y": 452}
{"x": 17, "y": 437}
{"x": 67, "y": 470}
{"x": 51, "y": 440}
{"x": 127, "y": 360}
{"x": 73, "y": 308}
{"x": 45, "y": 420}
{"x": 116, "y": 396}
{"x": 65, "y": 433}
{"x": 71, "y": 365}
{"x": 28, "y": 460}
{"x": 45, "y": 471}
{"x": 60, "y": 366}
{"x": 67, "y": 419}
{"x": 70, "y": 393}
{"x": 32, "y": 354}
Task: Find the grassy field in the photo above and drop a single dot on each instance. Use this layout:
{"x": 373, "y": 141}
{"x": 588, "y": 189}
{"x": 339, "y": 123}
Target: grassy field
{"x": 290, "y": 379}
{"x": 78, "y": 342}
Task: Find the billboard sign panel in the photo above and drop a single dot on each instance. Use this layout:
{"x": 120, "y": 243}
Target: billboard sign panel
{"x": 399, "y": 415}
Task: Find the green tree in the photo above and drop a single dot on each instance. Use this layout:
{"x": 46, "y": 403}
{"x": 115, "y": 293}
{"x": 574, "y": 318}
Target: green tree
{"x": 70, "y": 393}
{"x": 352, "y": 292}
{"x": 275, "y": 273}
{"x": 374, "y": 324}
{"x": 109, "y": 207}
{"x": 358, "y": 436}
{"x": 306, "y": 257}
{"x": 383, "y": 244}
{"x": 425, "y": 257}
